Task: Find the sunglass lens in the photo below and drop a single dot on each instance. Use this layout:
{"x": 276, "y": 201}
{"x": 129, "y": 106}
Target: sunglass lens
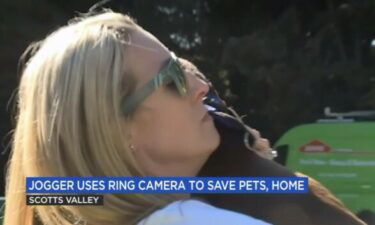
{"x": 178, "y": 83}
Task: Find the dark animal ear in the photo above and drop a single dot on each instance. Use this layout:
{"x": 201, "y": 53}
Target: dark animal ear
{"x": 232, "y": 132}
{"x": 224, "y": 120}
{"x": 228, "y": 123}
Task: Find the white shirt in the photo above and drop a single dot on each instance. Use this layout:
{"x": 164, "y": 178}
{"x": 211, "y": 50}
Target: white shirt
{"x": 194, "y": 212}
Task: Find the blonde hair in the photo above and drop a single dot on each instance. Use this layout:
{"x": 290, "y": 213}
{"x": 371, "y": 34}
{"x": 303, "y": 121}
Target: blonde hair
{"x": 69, "y": 123}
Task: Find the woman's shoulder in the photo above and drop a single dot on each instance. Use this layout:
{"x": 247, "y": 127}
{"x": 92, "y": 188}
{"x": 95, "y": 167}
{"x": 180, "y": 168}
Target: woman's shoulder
{"x": 189, "y": 212}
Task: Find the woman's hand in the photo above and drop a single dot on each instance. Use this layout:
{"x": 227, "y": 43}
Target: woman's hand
{"x": 261, "y": 145}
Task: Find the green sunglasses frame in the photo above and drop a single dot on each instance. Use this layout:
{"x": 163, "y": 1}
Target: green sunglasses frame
{"x": 172, "y": 72}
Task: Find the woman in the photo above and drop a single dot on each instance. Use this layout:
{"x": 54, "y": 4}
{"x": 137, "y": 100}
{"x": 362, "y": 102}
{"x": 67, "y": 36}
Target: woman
{"x": 103, "y": 97}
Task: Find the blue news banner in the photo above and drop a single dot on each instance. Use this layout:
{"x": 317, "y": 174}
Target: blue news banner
{"x": 90, "y": 190}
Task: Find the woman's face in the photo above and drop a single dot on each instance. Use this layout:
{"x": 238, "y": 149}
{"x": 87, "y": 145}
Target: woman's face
{"x": 169, "y": 132}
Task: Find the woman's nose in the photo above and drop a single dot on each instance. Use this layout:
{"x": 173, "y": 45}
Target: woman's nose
{"x": 200, "y": 89}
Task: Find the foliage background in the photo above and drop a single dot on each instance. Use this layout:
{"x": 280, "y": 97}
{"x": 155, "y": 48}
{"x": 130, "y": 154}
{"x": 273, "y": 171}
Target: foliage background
{"x": 278, "y": 62}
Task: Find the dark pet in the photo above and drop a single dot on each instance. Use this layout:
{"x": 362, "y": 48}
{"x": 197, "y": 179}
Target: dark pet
{"x": 232, "y": 158}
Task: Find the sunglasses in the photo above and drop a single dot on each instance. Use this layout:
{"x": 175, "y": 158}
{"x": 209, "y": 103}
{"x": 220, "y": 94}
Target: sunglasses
{"x": 172, "y": 76}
